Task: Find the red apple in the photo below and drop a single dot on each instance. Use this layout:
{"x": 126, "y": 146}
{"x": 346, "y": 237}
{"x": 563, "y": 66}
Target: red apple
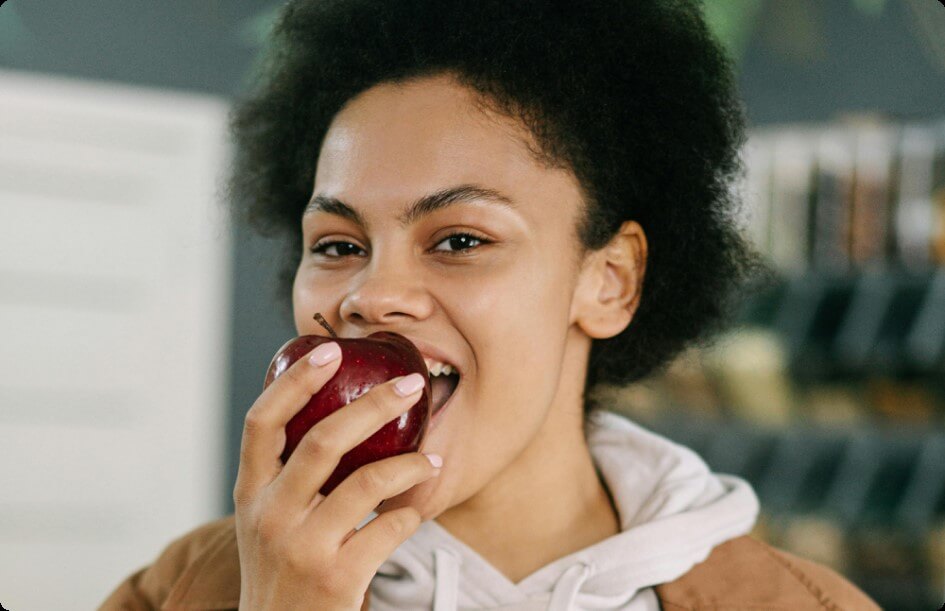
{"x": 365, "y": 362}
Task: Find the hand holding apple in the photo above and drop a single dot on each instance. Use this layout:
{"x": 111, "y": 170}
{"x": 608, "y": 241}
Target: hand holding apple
{"x": 365, "y": 362}
{"x": 297, "y": 547}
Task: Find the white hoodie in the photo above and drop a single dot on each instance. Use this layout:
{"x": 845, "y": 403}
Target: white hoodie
{"x": 672, "y": 510}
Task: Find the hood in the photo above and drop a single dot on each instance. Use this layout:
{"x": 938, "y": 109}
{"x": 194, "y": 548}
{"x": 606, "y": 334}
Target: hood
{"x": 673, "y": 511}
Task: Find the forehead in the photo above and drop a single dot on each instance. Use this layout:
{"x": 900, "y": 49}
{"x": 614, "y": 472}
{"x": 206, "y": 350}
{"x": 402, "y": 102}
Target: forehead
{"x": 394, "y": 142}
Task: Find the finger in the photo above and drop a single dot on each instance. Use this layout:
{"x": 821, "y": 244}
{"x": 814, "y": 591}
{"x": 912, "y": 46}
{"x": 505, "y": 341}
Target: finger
{"x": 374, "y": 543}
{"x": 322, "y": 447}
{"x": 264, "y": 425}
{"x": 362, "y": 491}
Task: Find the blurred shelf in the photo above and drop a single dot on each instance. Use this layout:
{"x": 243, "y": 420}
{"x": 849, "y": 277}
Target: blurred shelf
{"x": 846, "y": 326}
{"x": 861, "y": 498}
{"x": 858, "y": 476}
{"x": 829, "y": 395}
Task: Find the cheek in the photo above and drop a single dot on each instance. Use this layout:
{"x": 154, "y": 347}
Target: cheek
{"x": 301, "y": 302}
{"x": 307, "y": 300}
{"x": 298, "y": 302}
{"x": 296, "y": 298}
{"x": 517, "y": 325}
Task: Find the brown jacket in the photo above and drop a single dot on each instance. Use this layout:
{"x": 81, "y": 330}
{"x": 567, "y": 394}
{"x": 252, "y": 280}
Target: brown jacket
{"x": 201, "y": 571}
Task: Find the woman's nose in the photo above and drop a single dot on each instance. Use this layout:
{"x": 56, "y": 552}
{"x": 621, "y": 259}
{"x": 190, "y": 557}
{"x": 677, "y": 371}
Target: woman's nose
{"x": 384, "y": 296}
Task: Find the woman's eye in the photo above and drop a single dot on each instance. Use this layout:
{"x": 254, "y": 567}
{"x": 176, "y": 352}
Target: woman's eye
{"x": 323, "y": 247}
{"x": 461, "y": 242}
{"x": 458, "y": 243}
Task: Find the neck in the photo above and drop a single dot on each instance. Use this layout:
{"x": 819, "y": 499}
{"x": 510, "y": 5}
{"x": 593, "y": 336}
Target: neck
{"x": 550, "y": 502}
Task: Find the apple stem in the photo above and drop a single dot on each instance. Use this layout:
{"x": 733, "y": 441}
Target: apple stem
{"x": 321, "y": 320}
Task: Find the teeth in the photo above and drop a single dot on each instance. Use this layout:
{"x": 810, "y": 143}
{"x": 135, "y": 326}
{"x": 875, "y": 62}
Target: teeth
{"x": 437, "y": 368}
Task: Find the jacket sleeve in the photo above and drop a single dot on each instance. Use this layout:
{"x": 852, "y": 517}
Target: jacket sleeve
{"x": 745, "y": 573}
{"x": 148, "y": 588}
{"x": 830, "y": 588}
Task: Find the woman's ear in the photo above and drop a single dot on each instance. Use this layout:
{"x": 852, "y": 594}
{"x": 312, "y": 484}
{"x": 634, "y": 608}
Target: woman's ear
{"x": 610, "y": 284}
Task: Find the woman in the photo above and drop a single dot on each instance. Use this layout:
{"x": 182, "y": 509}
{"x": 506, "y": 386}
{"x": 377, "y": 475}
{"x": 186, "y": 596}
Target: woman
{"x": 493, "y": 180}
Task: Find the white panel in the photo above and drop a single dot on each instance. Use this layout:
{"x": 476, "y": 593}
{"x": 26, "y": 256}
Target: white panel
{"x": 114, "y": 287}
{"x": 46, "y": 235}
{"x": 54, "y": 451}
{"x": 57, "y": 346}
{"x": 74, "y": 571}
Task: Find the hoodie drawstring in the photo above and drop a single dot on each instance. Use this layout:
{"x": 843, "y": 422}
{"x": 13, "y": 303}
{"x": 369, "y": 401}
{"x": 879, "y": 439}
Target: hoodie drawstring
{"x": 569, "y": 584}
{"x": 447, "y": 580}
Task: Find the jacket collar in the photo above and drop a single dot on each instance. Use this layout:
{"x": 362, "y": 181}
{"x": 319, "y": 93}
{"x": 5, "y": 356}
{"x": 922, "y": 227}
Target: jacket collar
{"x": 212, "y": 580}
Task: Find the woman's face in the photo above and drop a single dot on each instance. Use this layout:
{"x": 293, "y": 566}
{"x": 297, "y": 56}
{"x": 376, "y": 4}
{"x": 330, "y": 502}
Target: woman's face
{"x": 497, "y": 303}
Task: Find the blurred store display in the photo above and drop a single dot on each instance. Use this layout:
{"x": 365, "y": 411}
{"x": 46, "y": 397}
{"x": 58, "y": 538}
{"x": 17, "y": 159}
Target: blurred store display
{"x": 829, "y": 395}
{"x": 860, "y": 194}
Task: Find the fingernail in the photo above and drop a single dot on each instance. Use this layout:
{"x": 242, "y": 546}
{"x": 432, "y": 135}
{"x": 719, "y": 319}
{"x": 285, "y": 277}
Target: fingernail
{"x": 435, "y": 459}
{"x": 408, "y": 385}
{"x": 325, "y": 354}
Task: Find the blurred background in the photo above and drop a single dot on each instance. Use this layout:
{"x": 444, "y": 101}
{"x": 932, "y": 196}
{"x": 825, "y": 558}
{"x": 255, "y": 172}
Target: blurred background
{"x": 137, "y": 320}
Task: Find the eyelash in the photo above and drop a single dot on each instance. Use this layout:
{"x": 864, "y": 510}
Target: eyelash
{"x": 320, "y": 248}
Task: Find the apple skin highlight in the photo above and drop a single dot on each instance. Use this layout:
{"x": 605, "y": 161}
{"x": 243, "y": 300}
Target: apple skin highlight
{"x": 365, "y": 362}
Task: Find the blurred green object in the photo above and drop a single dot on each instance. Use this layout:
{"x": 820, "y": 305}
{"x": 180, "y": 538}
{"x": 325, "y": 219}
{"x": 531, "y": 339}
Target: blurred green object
{"x": 733, "y": 22}
{"x": 873, "y": 8}
{"x": 255, "y": 30}
{"x": 15, "y": 38}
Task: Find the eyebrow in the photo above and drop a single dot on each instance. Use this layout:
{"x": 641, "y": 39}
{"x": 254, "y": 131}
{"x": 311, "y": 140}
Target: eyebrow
{"x": 416, "y": 210}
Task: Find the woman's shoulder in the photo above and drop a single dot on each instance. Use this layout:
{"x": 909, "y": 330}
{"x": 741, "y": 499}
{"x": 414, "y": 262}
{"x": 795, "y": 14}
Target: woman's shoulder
{"x": 171, "y": 577}
{"x": 745, "y": 572}
{"x": 191, "y": 545}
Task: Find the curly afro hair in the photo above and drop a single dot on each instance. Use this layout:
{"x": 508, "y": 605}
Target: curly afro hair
{"x": 635, "y": 96}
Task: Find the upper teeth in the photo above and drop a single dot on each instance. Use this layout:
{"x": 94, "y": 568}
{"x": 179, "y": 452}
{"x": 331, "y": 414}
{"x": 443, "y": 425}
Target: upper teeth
{"x": 437, "y": 368}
